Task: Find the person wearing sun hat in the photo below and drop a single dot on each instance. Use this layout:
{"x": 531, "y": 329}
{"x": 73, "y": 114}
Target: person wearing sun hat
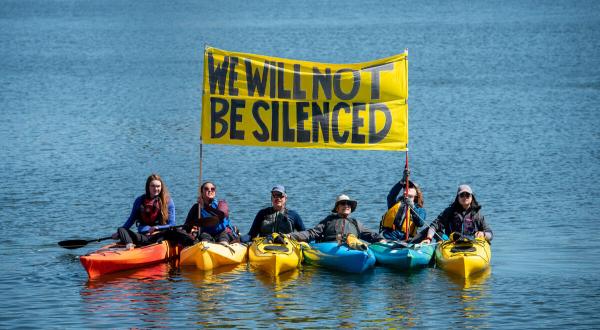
{"x": 463, "y": 216}
{"x": 340, "y": 226}
{"x": 275, "y": 219}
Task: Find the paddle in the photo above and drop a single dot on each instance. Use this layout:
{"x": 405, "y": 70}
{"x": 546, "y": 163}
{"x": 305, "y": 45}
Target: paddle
{"x": 77, "y": 243}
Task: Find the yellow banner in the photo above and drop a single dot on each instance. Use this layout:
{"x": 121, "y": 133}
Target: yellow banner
{"x": 257, "y": 100}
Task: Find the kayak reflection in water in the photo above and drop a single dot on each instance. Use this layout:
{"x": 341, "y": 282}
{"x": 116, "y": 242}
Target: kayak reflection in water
{"x": 275, "y": 219}
{"x": 394, "y": 222}
{"x": 341, "y": 227}
{"x": 463, "y": 216}
{"x": 150, "y": 212}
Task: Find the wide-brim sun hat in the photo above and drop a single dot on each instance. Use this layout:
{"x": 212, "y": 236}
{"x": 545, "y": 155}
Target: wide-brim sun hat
{"x": 344, "y": 198}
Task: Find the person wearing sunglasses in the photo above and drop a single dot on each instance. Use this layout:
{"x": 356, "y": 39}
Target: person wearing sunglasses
{"x": 151, "y": 212}
{"x": 214, "y": 224}
{"x": 393, "y": 223}
{"x": 276, "y": 218}
{"x": 463, "y": 216}
{"x": 339, "y": 226}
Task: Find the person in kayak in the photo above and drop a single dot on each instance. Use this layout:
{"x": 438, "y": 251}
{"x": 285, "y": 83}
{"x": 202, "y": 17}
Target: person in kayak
{"x": 276, "y": 218}
{"x": 463, "y": 216}
{"x": 340, "y": 226}
{"x": 151, "y": 212}
{"x": 393, "y": 225}
{"x": 214, "y": 224}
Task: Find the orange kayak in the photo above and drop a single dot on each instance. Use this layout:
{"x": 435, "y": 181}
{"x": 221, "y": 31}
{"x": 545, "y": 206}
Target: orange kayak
{"x": 113, "y": 258}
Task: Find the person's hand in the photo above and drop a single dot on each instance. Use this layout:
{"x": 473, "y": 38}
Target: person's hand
{"x": 426, "y": 241}
{"x": 152, "y": 230}
{"x": 479, "y": 234}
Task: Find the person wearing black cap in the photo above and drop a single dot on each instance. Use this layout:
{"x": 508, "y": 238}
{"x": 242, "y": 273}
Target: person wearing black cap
{"x": 463, "y": 216}
{"x": 276, "y": 218}
{"x": 339, "y": 226}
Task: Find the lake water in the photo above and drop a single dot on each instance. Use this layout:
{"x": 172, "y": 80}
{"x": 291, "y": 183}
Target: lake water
{"x": 504, "y": 95}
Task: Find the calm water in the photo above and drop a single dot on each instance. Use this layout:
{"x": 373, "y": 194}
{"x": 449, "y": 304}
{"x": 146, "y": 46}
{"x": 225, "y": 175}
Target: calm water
{"x": 504, "y": 95}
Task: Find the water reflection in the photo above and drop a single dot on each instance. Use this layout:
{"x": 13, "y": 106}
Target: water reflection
{"x": 470, "y": 296}
{"x": 144, "y": 292}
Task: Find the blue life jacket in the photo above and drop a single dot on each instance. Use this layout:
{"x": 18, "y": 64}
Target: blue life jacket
{"x": 222, "y": 225}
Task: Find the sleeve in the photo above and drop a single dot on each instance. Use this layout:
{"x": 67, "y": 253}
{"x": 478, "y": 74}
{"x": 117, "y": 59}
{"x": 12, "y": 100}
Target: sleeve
{"x": 393, "y": 194}
{"x": 171, "y": 220}
{"x": 133, "y": 215}
{"x": 298, "y": 223}
{"x": 366, "y": 234}
{"x": 192, "y": 216}
{"x": 485, "y": 228}
{"x": 437, "y": 225}
{"x": 310, "y": 234}
{"x": 255, "y": 228}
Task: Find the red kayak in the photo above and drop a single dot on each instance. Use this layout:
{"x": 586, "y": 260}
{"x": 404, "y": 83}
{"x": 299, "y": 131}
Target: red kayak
{"x": 114, "y": 257}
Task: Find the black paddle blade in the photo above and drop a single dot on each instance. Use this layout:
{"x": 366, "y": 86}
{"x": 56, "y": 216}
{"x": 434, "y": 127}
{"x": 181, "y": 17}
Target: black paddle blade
{"x": 73, "y": 243}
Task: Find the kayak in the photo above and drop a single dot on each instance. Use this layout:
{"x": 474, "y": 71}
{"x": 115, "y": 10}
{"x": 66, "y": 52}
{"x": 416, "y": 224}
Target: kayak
{"x": 402, "y": 256}
{"x": 114, "y": 257}
{"x": 207, "y": 255}
{"x": 463, "y": 257}
{"x": 339, "y": 257}
{"x": 274, "y": 258}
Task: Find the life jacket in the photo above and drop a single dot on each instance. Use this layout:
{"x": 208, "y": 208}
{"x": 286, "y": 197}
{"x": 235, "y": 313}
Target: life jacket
{"x": 394, "y": 219}
{"x": 222, "y": 225}
{"x": 150, "y": 214}
{"x": 338, "y": 228}
{"x": 276, "y": 222}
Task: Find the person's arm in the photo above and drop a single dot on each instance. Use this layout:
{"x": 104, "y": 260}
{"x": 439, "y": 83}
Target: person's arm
{"x": 436, "y": 226}
{"x": 171, "y": 219}
{"x": 134, "y": 212}
{"x": 310, "y": 234}
{"x": 367, "y": 235}
{"x": 393, "y": 194}
{"x": 298, "y": 224}
{"x": 485, "y": 228}
{"x": 255, "y": 228}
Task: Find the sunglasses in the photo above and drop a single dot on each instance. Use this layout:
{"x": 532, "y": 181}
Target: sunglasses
{"x": 210, "y": 189}
{"x": 464, "y": 195}
{"x": 277, "y": 195}
{"x": 346, "y": 203}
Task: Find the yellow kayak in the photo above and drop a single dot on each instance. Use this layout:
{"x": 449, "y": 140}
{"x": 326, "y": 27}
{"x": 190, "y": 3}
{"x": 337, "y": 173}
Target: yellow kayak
{"x": 270, "y": 256}
{"x": 463, "y": 257}
{"x": 211, "y": 255}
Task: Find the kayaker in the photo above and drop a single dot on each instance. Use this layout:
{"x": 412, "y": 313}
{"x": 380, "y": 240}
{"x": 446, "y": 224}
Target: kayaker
{"x": 214, "y": 224}
{"x": 392, "y": 224}
{"x": 276, "y": 218}
{"x": 150, "y": 212}
{"x": 340, "y": 226}
{"x": 463, "y": 216}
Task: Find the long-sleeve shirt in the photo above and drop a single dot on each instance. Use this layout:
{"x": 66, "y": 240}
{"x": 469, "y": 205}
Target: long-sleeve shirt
{"x": 134, "y": 217}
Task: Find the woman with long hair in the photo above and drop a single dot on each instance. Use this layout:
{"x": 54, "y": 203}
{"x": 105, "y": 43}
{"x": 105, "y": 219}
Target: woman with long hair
{"x": 151, "y": 212}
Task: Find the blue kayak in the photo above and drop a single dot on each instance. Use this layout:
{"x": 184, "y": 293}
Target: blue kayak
{"x": 339, "y": 257}
{"x": 400, "y": 255}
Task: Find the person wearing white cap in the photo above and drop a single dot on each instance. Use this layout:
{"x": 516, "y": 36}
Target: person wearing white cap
{"x": 463, "y": 216}
{"x": 339, "y": 225}
{"x": 277, "y": 218}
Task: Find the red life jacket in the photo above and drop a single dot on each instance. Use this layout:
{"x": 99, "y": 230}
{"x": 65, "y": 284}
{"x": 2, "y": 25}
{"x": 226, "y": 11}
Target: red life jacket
{"x": 150, "y": 211}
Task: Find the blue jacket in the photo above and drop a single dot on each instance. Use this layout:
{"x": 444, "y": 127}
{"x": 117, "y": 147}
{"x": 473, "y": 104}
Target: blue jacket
{"x": 142, "y": 228}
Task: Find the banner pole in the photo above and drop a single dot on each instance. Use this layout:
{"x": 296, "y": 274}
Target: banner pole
{"x": 201, "y": 110}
